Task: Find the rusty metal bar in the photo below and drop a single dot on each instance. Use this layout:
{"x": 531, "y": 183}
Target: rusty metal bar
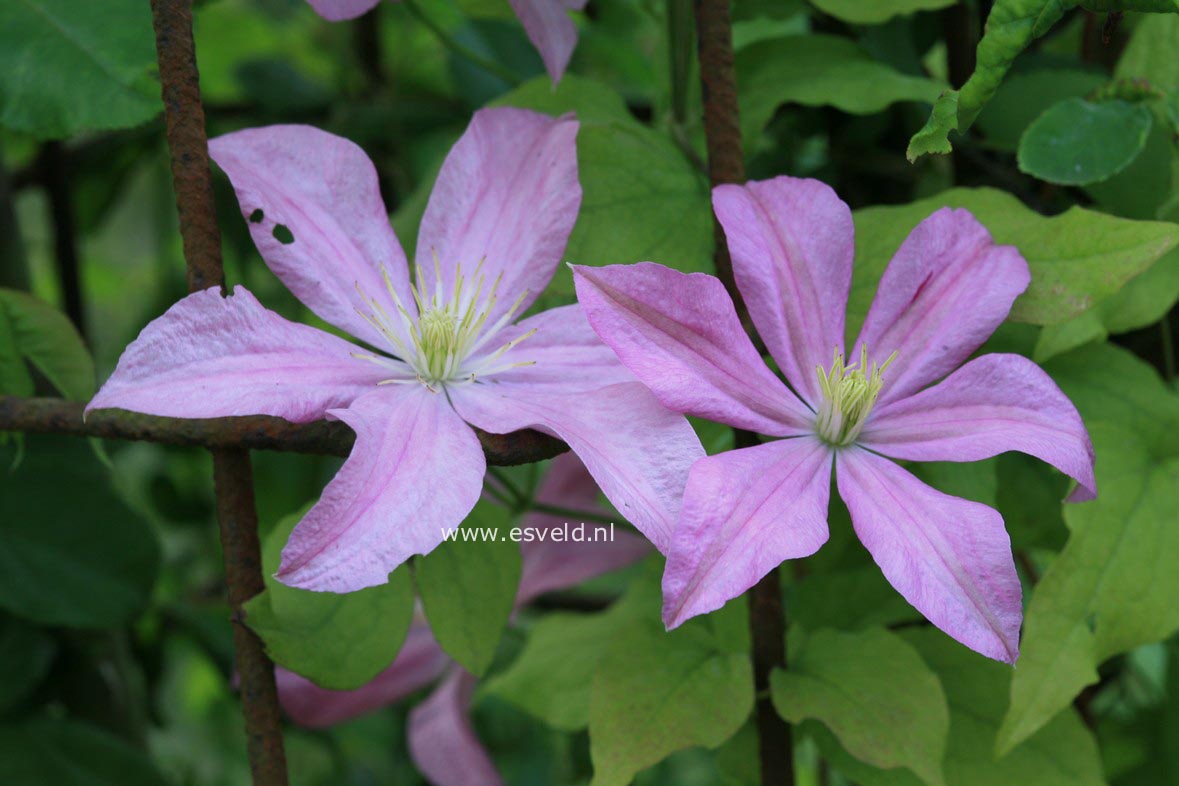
{"x": 188, "y": 148}
{"x": 726, "y": 164}
{"x": 256, "y": 432}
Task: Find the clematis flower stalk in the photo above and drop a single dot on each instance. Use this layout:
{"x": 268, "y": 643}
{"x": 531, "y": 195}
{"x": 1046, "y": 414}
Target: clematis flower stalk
{"x": 903, "y": 392}
{"x": 444, "y": 353}
{"x": 442, "y": 740}
{"x": 546, "y": 22}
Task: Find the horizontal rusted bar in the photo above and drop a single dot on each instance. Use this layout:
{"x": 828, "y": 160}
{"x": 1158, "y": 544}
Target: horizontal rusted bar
{"x": 255, "y": 432}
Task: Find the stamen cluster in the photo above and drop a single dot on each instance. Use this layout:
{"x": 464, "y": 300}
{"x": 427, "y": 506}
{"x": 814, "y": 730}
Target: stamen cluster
{"x": 849, "y": 393}
{"x": 448, "y": 332}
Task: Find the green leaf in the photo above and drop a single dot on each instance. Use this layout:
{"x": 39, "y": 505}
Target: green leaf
{"x": 1077, "y": 142}
{"x": 1022, "y": 98}
{"x": 934, "y": 136}
{"x": 593, "y": 102}
{"x": 1011, "y": 26}
{"x": 25, "y": 654}
{"x": 1108, "y": 383}
{"x": 874, "y": 692}
{"x": 858, "y": 12}
{"x": 71, "y": 551}
{"x": 1111, "y": 589}
{"x": 552, "y": 676}
{"x": 655, "y": 693}
{"x": 1063, "y": 753}
{"x": 74, "y": 65}
{"x": 15, "y": 379}
{"x": 468, "y": 588}
{"x": 818, "y": 70}
{"x": 1076, "y": 258}
{"x": 339, "y": 642}
{"x": 1143, "y": 301}
{"x": 67, "y": 753}
{"x": 1150, "y": 54}
{"x": 848, "y": 599}
{"x": 48, "y": 340}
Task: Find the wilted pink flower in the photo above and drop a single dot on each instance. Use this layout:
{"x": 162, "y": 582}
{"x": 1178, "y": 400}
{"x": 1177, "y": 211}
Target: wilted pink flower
{"x": 441, "y": 739}
{"x": 447, "y": 353}
{"x": 546, "y": 22}
{"x": 941, "y": 297}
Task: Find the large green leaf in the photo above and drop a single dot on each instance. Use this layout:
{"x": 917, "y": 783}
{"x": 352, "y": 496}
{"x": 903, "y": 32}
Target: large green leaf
{"x": 552, "y": 676}
{"x": 871, "y": 13}
{"x": 1108, "y": 383}
{"x": 1151, "y": 52}
{"x": 1077, "y": 142}
{"x": 874, "y": 692}
{"x": 468, "y": 588}
{"x": 48, "y": 340}
{"x": 15, "y": 379}
{"x": 1111, "y": 589}
{"x": 25, "y": 654}
{"x": 76, "y": 65}
{"x": 1143, "y": 301}
{"x": 818, "y": 70}
{"x": 1076, "y": 258}
{"x": 1063, "y": 753}
{"x": 655, "y": 693}
{"x": 71, "y": 551}
{"x": 66, "y": 753}
{"x": 337, "y": 641}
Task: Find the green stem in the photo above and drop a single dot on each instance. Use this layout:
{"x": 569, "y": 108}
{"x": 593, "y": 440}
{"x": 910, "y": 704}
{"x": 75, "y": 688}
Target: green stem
{"x": 573, "y": 515}
{"x": 520, "y": 500}
{"x": 460, "y": 49}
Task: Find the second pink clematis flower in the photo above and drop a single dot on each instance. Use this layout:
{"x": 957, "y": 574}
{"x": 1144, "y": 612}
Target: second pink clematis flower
{"x": 446, "y": 351}
{"x": 945, "y": 291}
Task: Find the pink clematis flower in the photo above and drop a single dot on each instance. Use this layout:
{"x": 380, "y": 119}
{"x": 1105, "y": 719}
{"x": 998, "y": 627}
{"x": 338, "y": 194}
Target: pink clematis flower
{"x": 941, "y": 297}
{"x": 448, "y": 351}
{"x": 441, "y": 740}
{"x": 546, "y": 22}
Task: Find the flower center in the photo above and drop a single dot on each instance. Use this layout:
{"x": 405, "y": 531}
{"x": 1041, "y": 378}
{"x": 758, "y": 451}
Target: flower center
{"x": 848, "y": 395}
{"x": 448, "y": 332}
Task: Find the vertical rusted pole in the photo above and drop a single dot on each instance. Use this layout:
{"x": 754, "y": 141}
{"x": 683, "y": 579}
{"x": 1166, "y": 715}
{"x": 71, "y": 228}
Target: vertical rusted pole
{"x": 726, "y": 164}
{"x": 188, "y": 148}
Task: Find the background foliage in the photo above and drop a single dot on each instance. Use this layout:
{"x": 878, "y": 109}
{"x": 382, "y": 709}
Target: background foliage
{"x": 115, "y": 649}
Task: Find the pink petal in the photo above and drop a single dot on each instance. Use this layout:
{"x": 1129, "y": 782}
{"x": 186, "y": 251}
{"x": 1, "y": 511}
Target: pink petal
{"x": 992, "y": 404}
{"x": 419, "y": 663}
{"x": 638, "y": 451}
{"x": 324, "y": 190}
{"x": 949, "y": 557}
{"x": 680, "y": 336}
{"x": 442, "y": 741}
{"x": 551, "y": 564}
{"x": 564, "y": 353}
{"x": 942, "y": 295}
{"x": 416, "y": 469}
{"x": 745, "y": 512}
{"x": 507, "y": 197}
{"x": 550, "y": 30}
{"x": 792, "y": 245}
{"x": 209, "y": 356}
{"x": 339, "y": 10}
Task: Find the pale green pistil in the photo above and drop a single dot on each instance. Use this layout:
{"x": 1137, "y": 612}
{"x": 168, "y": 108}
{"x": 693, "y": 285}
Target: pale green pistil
{"x": 848, "y": 396}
